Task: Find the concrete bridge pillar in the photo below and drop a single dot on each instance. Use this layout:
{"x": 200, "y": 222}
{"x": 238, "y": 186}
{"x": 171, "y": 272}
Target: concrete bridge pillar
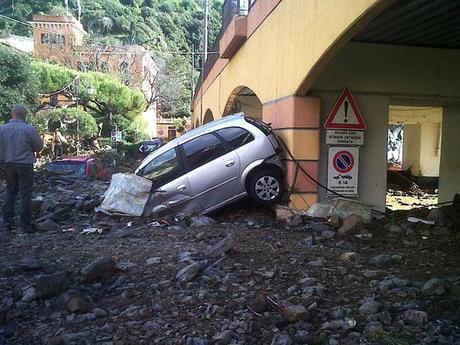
{"x": 296, "y": 120}
{"x": 450, "y": 154}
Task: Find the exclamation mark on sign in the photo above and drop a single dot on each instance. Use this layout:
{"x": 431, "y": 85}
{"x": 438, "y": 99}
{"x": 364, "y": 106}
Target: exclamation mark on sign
{"x": 346, "y": 112}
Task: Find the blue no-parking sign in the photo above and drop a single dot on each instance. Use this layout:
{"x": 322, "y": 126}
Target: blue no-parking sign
{"x": 342, "y": 174}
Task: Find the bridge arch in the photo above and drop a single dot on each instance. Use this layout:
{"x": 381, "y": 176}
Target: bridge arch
{"x": 208, "y": 116}
{"x": 243, "y": 99}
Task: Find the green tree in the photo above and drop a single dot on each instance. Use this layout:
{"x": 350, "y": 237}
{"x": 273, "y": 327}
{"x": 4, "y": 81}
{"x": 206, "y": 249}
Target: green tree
{"x": 17, "y": 81}
{"x": 107, "y": 98}
{"x": 74, "y": 122}
{"x": 163, "y": 26}
{"x": 180, "y": 124}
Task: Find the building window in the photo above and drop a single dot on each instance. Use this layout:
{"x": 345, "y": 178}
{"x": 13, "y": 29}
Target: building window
{"x": 82, "y": 66}
{"x": 52, "y": 38}
{"x": 104, "y": 66}
{"x": 124, "y": 72}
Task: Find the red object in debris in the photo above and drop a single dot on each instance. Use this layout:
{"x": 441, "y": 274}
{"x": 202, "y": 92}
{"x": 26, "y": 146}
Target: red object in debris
{"x": 395, "y": 167}
{"x": 79, "y": 166}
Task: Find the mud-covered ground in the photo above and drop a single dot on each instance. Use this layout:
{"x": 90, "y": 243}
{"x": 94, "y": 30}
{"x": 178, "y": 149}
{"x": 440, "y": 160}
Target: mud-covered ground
{"x": 388, "y": 282}
{"x": 241, "y": 277}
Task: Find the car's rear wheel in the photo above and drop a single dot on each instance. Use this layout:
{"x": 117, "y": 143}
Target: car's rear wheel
{"x": 266, "y": 187}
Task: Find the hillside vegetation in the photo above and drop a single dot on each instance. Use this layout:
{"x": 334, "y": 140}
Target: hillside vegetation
{"x": 168, "y": 28}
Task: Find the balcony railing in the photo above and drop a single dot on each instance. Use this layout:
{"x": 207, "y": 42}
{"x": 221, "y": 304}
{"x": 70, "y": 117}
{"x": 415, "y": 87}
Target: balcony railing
{"x": 230, "y": 9}
{"x": 165, "y": 119}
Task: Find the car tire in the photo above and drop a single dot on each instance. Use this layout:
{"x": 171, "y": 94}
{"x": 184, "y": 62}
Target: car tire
{"x": 266, "y": 187}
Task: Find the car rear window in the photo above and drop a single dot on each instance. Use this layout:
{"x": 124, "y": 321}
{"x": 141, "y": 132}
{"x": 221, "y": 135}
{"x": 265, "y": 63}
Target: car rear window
{"x": 203, "y": 149}
{"x": 260, "y": 125}
{"x": 235, "y": 136}
{"x": 67, "y": 168}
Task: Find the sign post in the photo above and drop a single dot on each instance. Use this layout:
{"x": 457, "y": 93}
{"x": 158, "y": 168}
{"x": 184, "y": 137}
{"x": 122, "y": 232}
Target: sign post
{"x": 344, "y": 126}
{"x": 344, "y": 137}
{"x": 345, "y": 114}
{"x": 117, "y": 136}
{"x": 342, "y": 176}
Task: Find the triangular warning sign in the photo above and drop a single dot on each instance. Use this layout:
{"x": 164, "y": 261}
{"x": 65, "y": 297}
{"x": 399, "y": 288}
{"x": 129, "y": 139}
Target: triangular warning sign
{"x": 345, "y": 114}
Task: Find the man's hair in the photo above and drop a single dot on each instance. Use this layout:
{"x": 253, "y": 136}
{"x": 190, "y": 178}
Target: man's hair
{"x": 19, "y": 111}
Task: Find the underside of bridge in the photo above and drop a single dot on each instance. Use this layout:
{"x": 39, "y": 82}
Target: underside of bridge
{"x": 390, "y": 54}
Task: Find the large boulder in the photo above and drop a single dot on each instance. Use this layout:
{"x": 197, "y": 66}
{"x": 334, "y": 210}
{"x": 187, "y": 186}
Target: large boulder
{"x": 293, "y": 312}
{"x": 434, "y": 286}
{"x": 191, "y": 271}
{"x": 221, "y": 247}
{"x": 101, "y": 268}
{"x": 352, "y": 222}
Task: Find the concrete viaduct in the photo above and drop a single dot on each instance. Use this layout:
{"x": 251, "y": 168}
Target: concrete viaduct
{"x": 286, "y": 62}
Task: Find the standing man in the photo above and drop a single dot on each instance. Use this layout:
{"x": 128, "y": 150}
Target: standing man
{"x": 18, "y": 144}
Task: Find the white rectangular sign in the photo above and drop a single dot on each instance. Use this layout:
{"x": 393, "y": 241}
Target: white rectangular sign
{"x": 117, "y": 136}
{"x": 344, "y": 137}
{"x": 342, "y": 171}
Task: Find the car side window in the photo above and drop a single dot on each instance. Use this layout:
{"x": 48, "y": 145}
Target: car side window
{"x": 235, "y": 136}
{"x": 163, "y": 168}
{"x": 202, "y": 150}
{"x": 99, "y": 166}
{"x": 92, "y": 168}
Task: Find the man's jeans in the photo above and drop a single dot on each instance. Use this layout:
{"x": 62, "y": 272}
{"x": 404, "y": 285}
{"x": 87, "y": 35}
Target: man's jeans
{"x": 19, "y": 179}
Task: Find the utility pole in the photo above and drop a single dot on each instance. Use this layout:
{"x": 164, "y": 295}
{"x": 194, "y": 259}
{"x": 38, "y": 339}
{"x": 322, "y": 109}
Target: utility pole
{"x": 205, "y": 31}
{"x": 205, "y": 52}
{"x": 79, "y": 10}
{"x": 77, "y": 101}
{"x": 66, "y": 3}
{"x": 192, "y": 74}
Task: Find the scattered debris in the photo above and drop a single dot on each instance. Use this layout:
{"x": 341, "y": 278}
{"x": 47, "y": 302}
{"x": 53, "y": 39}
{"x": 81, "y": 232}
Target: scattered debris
{"x": 198, "y": 221}
{"x": 292, "y": 282}
{"x": 351, "y": 222}
{"x": 418, "y": 220}
{"x": 100, "y": 268}
{"x": 189, "y": 272}
{"x": 292, "y": 312}
{"x": 221, "y": 247}
{"x": 341, "y": 208}
{"x": 127, "y": 195}
{"x": 434, "y": 286}
{"x": 46, "y": 287}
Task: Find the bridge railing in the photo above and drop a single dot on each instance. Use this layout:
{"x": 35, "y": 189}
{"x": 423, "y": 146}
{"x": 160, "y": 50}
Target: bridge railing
{"x": 230, "y": 9}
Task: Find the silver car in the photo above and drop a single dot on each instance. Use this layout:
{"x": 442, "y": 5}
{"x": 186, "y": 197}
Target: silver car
{"x": 214, "y": 165}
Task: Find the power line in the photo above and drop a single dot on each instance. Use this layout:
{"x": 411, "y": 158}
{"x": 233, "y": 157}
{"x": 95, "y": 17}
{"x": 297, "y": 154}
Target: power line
{"x": 5, "y": 1}
{"x": 133, "y": 53}
{"x": 188, "y": 52}
{"x": 33, "y": 26}
{"x": 60, "y": 90}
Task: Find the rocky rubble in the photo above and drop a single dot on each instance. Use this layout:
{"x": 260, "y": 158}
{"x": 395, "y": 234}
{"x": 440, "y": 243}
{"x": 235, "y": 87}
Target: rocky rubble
{"x": 240, "y": 278}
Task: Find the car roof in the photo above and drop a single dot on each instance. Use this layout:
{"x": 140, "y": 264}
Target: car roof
{"x": 209, "y": 127}
{"x": 75, "y": 159}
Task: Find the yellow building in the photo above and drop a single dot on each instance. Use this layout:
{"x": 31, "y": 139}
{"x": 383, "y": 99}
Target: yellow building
{"x": 287, "y": 61}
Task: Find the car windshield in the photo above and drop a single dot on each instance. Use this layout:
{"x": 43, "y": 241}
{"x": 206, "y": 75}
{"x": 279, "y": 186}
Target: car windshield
{"x": 68, "y": 168}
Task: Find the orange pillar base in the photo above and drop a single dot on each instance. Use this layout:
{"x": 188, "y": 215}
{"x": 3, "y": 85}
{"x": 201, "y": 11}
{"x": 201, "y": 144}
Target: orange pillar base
{"x": 296, "y": 121}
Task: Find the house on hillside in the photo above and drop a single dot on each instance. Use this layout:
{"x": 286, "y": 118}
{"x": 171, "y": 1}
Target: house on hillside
{"x": 23, "y": 44}
{"x": 60, "y": 40}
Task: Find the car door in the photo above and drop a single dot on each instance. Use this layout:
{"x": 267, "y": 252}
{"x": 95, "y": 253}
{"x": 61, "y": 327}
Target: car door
{"x": 171, "y": 190}
{"x": 212, "y": 170}
{"x": 92, "y": 169}
{"x": 237, "y": 138}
